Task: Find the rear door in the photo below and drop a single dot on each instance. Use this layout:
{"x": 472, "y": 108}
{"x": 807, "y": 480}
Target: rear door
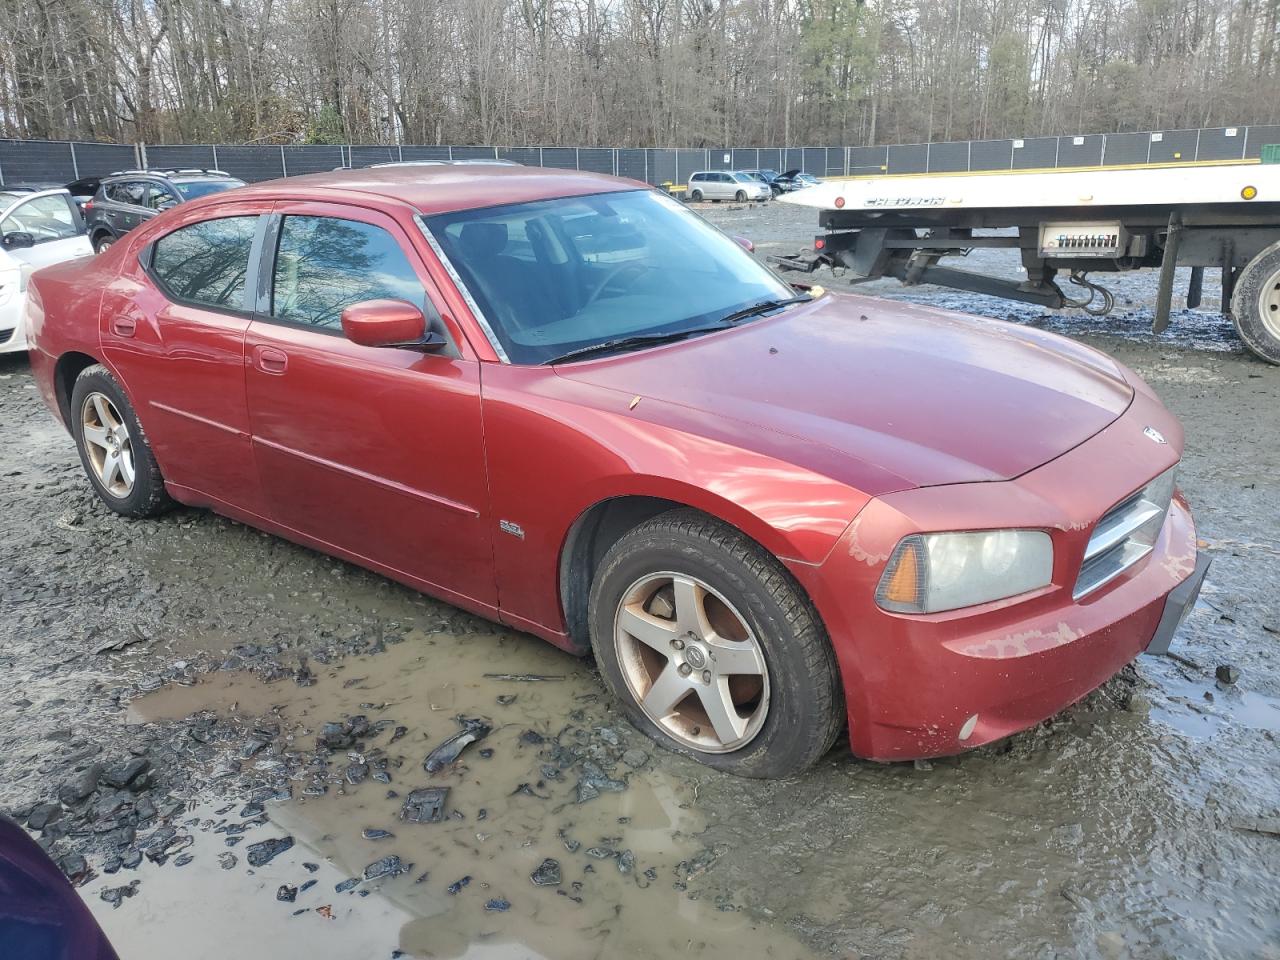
{"x": 127, "y": 199}
{"x": 173, "y": 327}
{"x": 378, "y": 452}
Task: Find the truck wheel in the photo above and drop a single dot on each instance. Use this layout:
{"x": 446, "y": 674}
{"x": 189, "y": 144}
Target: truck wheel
{"x": 113, "y": 448}
{"x": 1255, "y": 305}
{"x": 713, "y": 650}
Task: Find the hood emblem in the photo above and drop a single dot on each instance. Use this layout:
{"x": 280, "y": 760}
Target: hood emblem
{"x": 1154, "y": 435}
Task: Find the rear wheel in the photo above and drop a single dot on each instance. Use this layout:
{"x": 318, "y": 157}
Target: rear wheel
{"x": 696, "y": 196}
{"x": 713, "y": 650}
{"x": 113, "y": 448}
{"x": 1255, "y": 304}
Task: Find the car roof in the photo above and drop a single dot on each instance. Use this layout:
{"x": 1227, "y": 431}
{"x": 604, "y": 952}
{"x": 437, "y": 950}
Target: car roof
{"x": 446, "y": 188}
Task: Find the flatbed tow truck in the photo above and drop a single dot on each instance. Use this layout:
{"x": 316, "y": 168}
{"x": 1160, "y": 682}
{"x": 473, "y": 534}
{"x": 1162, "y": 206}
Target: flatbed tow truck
{"x": 1073, "y": 222}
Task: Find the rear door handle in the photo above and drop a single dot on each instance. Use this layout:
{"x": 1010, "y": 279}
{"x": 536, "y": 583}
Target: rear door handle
{"x": 270, "y": 360}
{"x": 124, "y": 326}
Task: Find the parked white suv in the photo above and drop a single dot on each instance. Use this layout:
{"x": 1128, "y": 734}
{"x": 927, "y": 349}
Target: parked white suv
{"x": 36, "y": 229}
{"x": 727, "y": 185}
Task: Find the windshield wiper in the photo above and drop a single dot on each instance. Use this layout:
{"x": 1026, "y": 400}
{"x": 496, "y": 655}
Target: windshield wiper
{"x": 763, "y": 306}
{"x": 624, "y": 343}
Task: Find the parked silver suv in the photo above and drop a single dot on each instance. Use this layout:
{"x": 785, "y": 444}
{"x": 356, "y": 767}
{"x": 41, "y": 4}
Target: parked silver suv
{"x": 726, "y": 185}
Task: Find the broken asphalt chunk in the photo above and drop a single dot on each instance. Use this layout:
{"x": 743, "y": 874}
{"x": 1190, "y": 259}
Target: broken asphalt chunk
{"x": 547, "y": 873}
{"x": 264, "y": 851}
{"x": 372, "y": 833}
{"x": 456, "y": 887}
{"x": 386, "y": 867}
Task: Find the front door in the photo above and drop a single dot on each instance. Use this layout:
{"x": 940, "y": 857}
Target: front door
{"x": 177, "y": 340}
{"x": 54, "y": 224}
{"x": 378, "y": 452}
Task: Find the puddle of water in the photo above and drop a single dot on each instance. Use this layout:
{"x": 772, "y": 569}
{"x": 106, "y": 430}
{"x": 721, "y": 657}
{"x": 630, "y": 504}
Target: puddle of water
{"x": 496, "y": 833}
{"x": 1201, "y": 709}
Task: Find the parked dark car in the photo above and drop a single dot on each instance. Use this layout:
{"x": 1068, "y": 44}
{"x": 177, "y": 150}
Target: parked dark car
{"x": 770, "y": 177}
{"x": 796, "y": 180}
{"x": 41, "y": 915}
{"x": 131, "y": 197}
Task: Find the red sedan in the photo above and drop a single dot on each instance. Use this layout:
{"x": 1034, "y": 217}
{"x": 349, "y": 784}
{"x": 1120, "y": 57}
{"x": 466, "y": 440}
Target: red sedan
{"x": 566, "y": 403}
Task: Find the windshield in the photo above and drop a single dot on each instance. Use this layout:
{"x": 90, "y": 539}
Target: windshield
{"x": 190, "y": 189}
{"x": 558, "y": 275}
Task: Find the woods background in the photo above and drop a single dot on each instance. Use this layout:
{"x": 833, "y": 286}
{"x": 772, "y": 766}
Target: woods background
{"x": 629, "y": 72}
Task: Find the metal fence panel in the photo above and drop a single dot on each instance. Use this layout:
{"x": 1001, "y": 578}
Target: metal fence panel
{"x": 719, "y": 158}
{"x": 528, "y": 156}
{"x": 1127, "y": 148}
{"x": 1085, "y": 151}
{"x": 634, "y": 164}
{"x": 949, "y": 157}
{"x": 312, "y": 159}
{"x": 1170, "y": 145}
{"x": 689, "y": 162}
{"x": 1035, "y": 152}
{"x": 251, "y": 164}
{"x": 991, "y": 155}
{"x": 565, "y": 157}
{"x": 868, "y": 160}
{"x": 96, "y": 159}
{"x": 909, "y": 158}
{"x": 1221, "y": 143}
{"x": 833, "y": 165}
{"x": 814, "y": 160}
{"x": 792, "y": 159}
{"x": 473, "y": 153}
{"x": 1259, "y": 137}
{"x": 424, "y": 153}
{"x": 364, "y": 155}
{"x": 746, "y": 158}
{"x": 181, "y": 157}
{"x": 35, "y": 161}
{"x": 664, "y": 166}
{"x": 769, "y": 158}
{"x": 595, "y": 159}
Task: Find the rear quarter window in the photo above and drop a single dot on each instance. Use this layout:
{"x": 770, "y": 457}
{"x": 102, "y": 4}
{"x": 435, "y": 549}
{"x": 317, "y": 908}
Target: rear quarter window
{"x": 206, "y": 263}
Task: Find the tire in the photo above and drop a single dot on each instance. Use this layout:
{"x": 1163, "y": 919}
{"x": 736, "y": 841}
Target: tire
{"x": 1255, "y": 304}
{"x": 696, "y": 196}
{"x": 744, "y": 589}
{"x": 103, "y": 242}
{"x": 99, "y": 407}
{"x": 741, "y": 196}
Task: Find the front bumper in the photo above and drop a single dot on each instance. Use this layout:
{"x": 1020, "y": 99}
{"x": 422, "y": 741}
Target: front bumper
{"x": 932, "y": 685}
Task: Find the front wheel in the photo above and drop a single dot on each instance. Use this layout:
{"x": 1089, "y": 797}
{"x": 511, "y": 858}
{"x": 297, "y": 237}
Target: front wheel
{"x": 741, "y": 196}
{"x": 713, "y": 650}
{"x": 1255, "y": 304}
{"x": 113, "y": 449}
{"x": 103, "y": 243}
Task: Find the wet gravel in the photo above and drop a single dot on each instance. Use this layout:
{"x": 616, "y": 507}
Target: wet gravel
{"x": 197, "y": 719}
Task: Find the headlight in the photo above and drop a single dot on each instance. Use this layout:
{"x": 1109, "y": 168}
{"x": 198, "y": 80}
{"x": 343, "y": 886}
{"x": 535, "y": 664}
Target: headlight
{"x": 932, "y": 572}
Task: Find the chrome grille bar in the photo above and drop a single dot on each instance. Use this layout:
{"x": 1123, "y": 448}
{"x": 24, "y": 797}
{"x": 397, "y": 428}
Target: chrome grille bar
{"x": 1125, "y": 535}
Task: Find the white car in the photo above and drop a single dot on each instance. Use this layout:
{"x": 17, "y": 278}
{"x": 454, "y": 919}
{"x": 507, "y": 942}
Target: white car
{"x": 726, "y": 185}
{"x": 37, "y": 228}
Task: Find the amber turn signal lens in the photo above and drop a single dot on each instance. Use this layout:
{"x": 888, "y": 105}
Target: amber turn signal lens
{"x": 1249, "y": 193}
{"x": 901, "y": 588}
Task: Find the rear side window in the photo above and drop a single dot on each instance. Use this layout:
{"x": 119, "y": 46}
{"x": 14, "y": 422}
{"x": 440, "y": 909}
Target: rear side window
{"x": 127, "y": 191}
{"x": 324, "y": 264}
{"x": 206, "y": 263}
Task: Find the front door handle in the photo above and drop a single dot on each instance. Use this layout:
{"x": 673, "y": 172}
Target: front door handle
{"x": 270, "y": 360}
{"x": 124, "y": 326}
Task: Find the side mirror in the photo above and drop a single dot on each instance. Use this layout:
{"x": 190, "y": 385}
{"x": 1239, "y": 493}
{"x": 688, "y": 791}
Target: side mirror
{"x": 18, "y": 240}
{"x": 388, "y": 323}
{"x": 745, "y": 244}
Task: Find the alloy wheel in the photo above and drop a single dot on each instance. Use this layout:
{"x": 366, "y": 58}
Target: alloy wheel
{"x": 691, "y": 662}
{"x": 107, "y": 444}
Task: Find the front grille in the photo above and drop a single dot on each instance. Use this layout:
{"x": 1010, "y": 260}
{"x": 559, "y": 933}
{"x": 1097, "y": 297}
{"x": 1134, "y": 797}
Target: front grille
{"x": 1125, "y": 534}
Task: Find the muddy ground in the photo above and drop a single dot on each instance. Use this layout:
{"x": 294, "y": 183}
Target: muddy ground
{"x": 223, "y": 726}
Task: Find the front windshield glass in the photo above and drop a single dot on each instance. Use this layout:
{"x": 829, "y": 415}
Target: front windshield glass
{"x": 554, "y": 276}
{"x": 190, "y": 189}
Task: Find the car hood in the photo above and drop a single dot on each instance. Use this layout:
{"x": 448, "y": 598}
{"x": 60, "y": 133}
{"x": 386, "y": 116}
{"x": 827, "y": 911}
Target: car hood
{"x": 896, "y": 395}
